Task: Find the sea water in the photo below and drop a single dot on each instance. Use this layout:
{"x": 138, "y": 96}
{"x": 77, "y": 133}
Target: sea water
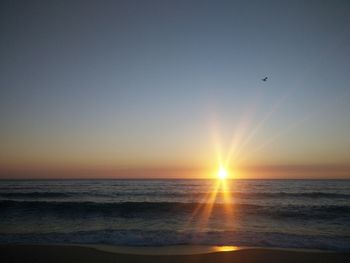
{"x": 309, "y": 214}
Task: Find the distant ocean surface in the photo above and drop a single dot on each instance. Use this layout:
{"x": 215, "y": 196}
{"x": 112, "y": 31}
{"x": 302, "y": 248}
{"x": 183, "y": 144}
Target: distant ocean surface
{"x": 313, "y": 214}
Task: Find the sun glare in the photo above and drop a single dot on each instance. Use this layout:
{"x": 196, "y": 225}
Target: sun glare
{"x": 222, "y": 173}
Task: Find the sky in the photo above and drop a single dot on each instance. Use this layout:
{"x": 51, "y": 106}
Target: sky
{"x": 173, "y": 89}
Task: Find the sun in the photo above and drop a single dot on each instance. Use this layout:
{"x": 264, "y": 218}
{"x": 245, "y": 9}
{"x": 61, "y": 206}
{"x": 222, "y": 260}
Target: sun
{"x": 222, "y": 173}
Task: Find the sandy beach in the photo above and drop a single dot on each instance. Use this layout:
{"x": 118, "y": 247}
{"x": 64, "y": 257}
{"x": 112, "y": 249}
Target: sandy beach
{"x": 60, "y": 253}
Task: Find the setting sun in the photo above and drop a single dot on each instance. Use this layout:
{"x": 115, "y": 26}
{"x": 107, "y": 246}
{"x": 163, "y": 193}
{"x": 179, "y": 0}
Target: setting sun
{"x": 222, "y": 173}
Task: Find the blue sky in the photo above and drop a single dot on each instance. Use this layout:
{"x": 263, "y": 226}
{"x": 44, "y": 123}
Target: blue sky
{"x": 145, "y": 83}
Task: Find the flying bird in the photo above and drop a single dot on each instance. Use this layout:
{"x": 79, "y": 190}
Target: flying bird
{"x": 264, "y": 79}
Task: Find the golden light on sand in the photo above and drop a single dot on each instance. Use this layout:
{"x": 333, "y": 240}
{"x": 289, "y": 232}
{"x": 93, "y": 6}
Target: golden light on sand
{"x": 222, "y": 173}
{"x": 226, "y": 248}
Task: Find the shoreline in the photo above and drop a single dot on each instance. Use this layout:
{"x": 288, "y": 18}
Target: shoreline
{"x": 186, "y": 249}
{"x": 190, "y": 254}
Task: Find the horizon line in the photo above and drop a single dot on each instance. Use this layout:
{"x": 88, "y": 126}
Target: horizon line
{"x": 164, "y": 178}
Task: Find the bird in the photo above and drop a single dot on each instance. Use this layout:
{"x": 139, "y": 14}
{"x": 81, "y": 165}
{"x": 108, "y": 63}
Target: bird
{"x": 264, "y": 79}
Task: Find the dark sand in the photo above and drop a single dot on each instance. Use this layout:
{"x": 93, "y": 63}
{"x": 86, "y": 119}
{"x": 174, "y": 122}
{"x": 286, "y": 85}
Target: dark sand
{"x": 60, "y": 254}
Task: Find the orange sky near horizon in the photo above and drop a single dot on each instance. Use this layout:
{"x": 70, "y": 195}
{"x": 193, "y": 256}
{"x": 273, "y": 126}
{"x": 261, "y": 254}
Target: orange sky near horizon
{"x": 253, "y": 172}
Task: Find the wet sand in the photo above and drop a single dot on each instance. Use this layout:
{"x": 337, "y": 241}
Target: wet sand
{"x": 92, "y": 254}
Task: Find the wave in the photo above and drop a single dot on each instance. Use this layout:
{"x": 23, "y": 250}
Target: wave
{"x": 254, "y": 195}
{"x": 122, "y": 209}
{"x": 293, "y": 195}
{"x": 158, "y": 209}
{"x": 140, "y": 237}
{"x": 241, "y": 195}
{"x": 34, "y": 195}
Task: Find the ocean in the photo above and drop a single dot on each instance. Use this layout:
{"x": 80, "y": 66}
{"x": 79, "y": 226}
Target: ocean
{"x": 308, "y": 214}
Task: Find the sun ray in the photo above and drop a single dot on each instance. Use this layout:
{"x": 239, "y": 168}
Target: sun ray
{"x": 203, "y": 211}
{"x": 261, "y": 124}
{"x": 277, "y": 136}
